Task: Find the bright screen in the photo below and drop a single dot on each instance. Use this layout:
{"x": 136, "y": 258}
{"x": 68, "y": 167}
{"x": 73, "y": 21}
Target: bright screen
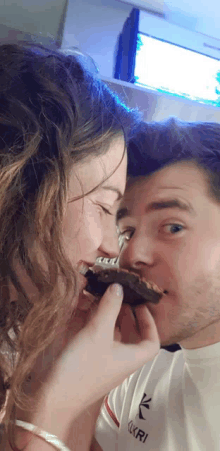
{"x": 175, "y": 70}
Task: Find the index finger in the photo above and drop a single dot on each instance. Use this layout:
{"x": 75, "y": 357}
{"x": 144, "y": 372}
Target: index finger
{"x": 146, "y": 324}
{"x": 108, "y": 309}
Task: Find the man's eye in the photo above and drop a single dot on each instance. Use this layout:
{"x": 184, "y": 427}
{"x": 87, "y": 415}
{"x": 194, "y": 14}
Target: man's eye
{"x": 173, "y": 228}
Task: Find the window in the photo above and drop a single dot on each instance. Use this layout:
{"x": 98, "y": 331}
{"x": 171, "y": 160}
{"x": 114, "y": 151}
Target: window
{"x": 172, "y": 69}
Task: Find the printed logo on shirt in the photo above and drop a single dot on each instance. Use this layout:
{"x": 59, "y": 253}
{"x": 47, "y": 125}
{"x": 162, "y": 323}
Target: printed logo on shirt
{"x": 135, "y": 430}
{"x": 144, "y": 403}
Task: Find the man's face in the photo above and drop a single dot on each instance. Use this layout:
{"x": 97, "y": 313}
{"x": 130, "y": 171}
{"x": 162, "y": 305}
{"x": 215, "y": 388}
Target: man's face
{"x": 171, "y": 237}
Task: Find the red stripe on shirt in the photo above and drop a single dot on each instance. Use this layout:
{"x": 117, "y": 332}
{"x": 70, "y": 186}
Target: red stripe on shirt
{"x": 112, "y": 415}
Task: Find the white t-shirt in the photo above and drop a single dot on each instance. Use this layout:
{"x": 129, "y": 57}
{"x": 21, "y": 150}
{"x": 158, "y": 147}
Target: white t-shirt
{"x": 171, "y": 404}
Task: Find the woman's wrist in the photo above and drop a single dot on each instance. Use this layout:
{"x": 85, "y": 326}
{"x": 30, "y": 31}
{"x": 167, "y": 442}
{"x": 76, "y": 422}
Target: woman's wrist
{"x": 57, "y": 408}
{"x": 52, "y": 418}
{"x": 51, "y": 439}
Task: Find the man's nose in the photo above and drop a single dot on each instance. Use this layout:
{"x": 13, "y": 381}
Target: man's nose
{"x": 138, "y": 252}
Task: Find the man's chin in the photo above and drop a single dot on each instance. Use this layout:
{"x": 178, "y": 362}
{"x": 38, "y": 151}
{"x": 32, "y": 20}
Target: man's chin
{"x": 170, "y": 341}
{"x": 166, "y": 343}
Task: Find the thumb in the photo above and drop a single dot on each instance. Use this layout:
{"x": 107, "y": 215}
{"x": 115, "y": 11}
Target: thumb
{"x": 109, "y": 308}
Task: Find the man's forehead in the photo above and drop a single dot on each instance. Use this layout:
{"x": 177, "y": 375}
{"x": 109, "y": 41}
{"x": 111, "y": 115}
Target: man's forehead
{"x": 151, "y": 185}
{"x": 178, "y": 183}
{"x": 178, "y": 176}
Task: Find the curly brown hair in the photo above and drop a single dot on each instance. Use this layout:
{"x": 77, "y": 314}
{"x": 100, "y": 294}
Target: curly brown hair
{"x": 53, "y": 113}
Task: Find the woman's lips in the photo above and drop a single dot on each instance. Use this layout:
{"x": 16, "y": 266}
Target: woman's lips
{"x": 82, "y": 267}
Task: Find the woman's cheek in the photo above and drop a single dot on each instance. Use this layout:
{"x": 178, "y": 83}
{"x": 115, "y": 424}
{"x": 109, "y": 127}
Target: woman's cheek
{"x": 83, "y": 229}
{"x": 93, "y": 227}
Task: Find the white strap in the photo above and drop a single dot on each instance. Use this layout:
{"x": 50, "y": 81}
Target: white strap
{"x": 49, "y": 438}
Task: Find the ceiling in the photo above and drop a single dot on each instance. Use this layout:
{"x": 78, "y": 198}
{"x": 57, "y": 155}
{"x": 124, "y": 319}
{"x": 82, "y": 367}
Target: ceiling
{"x": 197, "y": 15}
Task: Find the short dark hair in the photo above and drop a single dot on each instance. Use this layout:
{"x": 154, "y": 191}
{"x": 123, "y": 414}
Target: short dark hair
{"x": 159, "y": 144}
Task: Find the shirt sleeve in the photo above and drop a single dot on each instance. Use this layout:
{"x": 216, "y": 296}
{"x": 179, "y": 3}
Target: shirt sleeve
{"x": 115, "y": 408}
{"x": 108, "y": 423}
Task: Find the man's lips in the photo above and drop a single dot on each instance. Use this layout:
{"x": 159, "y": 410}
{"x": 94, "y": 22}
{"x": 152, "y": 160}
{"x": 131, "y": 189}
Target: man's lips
{"x": 136, "y": 290}
{"x": 84, "y": 267}
{"x": 154, "y": 281}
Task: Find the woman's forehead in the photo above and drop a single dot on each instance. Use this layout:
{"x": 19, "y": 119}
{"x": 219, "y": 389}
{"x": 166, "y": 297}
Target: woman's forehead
{"x": 104, "y": 170}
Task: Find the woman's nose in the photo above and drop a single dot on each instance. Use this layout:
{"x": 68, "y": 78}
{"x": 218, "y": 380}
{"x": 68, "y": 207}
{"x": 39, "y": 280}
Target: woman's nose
{"x": 109, "y": 247}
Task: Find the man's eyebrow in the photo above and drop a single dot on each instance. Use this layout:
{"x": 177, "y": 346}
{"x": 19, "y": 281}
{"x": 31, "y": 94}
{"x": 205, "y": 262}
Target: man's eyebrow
{"x": 115, "y": 190}
{"x": 156, "y": 206}
{"x": 170, "y": 203}
{"x": 122, "y": 213}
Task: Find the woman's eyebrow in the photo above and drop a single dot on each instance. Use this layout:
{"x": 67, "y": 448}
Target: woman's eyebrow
{"x": 115, "y": 190}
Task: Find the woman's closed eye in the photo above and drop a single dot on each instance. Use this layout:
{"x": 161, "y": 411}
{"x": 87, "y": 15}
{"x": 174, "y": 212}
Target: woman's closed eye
{"x": 105, "y": 210}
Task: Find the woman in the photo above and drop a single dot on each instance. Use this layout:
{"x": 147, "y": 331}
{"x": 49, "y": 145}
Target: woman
{"x": 62, "y": 173}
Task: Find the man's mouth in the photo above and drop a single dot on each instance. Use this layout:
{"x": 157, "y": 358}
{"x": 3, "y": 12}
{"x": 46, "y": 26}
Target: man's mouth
{"x": 155, "y": 285}
{"x": 136, "y": 290}
{"x": 84, "y": 268}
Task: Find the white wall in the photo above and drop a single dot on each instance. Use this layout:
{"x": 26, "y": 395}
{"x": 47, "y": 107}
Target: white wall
{"x": 40, "y": 17}
{"x": 150, "y": 5}
{"x": 156, "y": 106}
{"x": 197, "y": 15}
{"x": 94, "y": 26}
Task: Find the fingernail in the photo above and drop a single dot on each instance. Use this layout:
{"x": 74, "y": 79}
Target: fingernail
{"x": 116, "y": 289}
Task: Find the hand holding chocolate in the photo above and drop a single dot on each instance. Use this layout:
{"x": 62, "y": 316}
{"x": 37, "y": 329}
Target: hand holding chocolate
{"x": 136, "y": 290}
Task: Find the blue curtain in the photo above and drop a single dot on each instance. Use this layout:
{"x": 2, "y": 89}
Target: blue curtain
{"x": 127, "y": 45}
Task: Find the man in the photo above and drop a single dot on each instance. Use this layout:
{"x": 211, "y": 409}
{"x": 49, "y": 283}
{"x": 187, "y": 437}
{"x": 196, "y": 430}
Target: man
{"x": 169, "y": 221}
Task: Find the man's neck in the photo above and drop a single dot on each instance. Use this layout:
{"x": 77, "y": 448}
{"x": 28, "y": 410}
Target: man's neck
{"x": 204, "y": 337}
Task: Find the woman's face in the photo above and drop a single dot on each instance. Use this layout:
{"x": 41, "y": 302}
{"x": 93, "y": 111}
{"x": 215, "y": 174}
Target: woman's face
{"x": 89, "y": 228}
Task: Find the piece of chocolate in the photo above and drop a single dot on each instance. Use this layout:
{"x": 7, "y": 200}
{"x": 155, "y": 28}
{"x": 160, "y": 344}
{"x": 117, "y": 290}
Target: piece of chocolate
{"x": 136, "y": 290}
